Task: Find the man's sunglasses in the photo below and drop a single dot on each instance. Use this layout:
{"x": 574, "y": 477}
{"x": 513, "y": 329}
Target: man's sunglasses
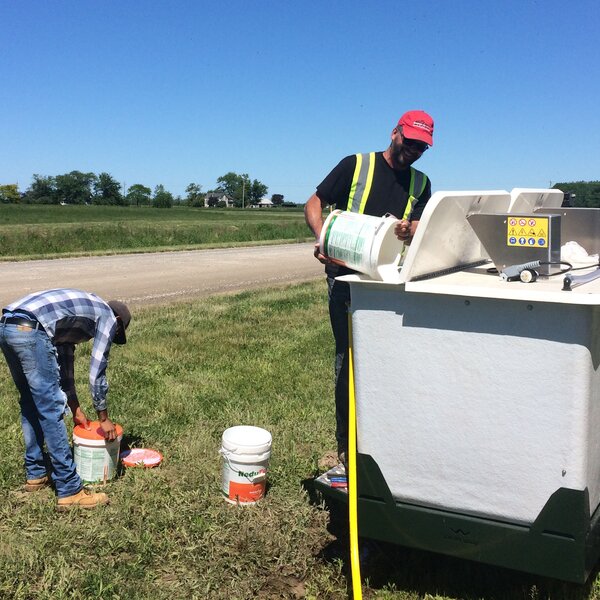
{"x": 414, "y": 144}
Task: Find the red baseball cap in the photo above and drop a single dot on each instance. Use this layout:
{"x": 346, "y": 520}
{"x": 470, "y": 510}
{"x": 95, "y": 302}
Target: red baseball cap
{"x": 417, "y": 125}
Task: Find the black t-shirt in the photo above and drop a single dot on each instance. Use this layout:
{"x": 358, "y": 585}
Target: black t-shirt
{"x": 389, "y": 194}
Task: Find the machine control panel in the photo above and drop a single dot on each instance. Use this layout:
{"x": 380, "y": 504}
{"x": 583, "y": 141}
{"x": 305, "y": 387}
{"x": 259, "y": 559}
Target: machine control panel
{"x": 515, "y": 239}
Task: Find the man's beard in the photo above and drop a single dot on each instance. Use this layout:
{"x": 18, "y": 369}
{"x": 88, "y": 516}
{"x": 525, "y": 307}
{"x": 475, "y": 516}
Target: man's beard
{"x": 402, "y": 157}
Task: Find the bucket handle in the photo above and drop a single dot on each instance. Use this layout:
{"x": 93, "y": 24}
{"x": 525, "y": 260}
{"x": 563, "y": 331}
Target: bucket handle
{"x": 381, "y": 223}
{"x": 386, "y": 216}
{"x": 227, "y": 453}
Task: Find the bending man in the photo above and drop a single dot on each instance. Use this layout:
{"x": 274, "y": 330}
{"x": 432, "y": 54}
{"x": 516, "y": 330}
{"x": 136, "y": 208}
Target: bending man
{"x": 38, "y": 334}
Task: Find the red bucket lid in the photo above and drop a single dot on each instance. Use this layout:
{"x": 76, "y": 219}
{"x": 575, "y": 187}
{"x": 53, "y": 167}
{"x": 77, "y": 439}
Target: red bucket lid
{"x": 95, "y": 433}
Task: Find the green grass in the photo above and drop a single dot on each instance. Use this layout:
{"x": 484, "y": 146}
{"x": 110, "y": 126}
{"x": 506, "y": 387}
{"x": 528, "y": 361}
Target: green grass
{"x": 33, "y": 231}
{"x": 189, "y": 372}
{"x": 22, "y": 214}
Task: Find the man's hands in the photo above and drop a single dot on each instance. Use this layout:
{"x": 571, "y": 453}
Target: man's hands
{"x": 109, "y": 429}
{"x": 107, "y": 426}
{"x": 79, "y": 418}
{"x": 320, "y": 257}
{"x": 313, "y": 213}
{"x": 402, "y": 229}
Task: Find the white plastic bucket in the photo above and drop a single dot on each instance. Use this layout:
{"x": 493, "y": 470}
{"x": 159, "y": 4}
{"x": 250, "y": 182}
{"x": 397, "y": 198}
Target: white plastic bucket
{"x": 246, "y": 451}
{"x": 364, "y": 243}
{"x": 95, "y": 458}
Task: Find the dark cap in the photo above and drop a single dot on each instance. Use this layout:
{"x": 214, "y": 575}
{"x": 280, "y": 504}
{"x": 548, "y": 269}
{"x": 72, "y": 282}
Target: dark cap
{"x": 120, "y": 310}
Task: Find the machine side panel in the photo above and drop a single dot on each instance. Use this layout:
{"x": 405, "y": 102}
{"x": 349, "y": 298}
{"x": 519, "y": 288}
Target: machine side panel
{"x": 479, "y": 406}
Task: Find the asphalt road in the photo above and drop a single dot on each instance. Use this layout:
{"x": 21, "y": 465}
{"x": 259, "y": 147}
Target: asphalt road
{"x": 164, "y": 277}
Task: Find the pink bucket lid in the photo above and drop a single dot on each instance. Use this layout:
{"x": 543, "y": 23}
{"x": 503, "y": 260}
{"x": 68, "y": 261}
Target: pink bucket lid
{"x": 141, "y": 457}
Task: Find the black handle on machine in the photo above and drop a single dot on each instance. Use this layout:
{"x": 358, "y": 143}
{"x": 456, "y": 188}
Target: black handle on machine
{"x": 571, "y": 281}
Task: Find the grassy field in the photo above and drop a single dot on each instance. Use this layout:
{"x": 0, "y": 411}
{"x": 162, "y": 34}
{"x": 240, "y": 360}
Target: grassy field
{"x": 37, "y": 231}
{"x": 187, "y": 373}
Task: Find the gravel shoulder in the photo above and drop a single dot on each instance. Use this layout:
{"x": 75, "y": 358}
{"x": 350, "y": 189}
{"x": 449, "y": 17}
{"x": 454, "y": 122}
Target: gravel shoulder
{"x": 164, "y": 277}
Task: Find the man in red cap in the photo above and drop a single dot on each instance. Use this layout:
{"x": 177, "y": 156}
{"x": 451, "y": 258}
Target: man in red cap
{"x": 374, "y": 184}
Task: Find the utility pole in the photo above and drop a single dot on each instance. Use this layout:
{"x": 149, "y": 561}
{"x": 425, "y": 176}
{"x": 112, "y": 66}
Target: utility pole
{"x": 243, "y": 191}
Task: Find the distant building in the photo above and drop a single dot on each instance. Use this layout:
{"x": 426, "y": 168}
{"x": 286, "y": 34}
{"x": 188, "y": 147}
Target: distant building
{"x": 214, "y": 198}
{"x": 264, "y": 203}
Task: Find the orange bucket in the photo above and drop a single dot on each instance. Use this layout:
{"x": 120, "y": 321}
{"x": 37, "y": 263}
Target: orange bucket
{"x": 95, "y": 457}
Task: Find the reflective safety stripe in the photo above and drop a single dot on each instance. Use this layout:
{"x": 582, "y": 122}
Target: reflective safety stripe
{"x": 418, "y": 181}
{"x": 354, "y": 184}
{"x": 362, "y": 180}
{"x": 409, "y": 207}
{"x": 370, "y": 171}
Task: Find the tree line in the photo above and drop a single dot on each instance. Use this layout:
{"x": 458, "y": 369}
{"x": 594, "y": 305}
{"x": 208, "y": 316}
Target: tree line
{"x": 77, "y": 187}
{"x": 583, "y": 194}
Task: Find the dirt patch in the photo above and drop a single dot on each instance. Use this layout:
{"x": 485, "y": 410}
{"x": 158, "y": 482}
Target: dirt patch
{"x": 328, "y": 460}
{"x": 283, "y": 586}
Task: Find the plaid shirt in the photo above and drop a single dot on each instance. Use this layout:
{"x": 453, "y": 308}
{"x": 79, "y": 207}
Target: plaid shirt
{"x": 69, "y": 317}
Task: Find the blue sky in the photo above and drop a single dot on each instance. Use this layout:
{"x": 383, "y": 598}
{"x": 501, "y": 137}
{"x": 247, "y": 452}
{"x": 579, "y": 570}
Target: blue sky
{"x": 158, "y": 92}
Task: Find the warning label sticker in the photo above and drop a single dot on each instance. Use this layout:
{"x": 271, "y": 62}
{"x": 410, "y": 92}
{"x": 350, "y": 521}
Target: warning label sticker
{"x": 527, "y": 231}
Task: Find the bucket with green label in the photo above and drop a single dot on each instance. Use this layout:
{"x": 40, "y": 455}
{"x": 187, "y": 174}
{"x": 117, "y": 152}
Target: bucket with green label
{"x": 364, "y": 243}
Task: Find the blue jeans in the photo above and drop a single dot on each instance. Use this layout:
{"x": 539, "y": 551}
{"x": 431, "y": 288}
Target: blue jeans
{"x": 339, "y": 303}
{"x": 32, "y": 361}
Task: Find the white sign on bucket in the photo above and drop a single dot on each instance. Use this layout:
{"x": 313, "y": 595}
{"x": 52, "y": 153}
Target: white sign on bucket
{"x": 364, "y": 243}
{"x": 246, "y": 451}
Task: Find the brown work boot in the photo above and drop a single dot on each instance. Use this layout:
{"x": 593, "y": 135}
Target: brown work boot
{"x": 32, "y": 485}
{"x": 83, "y": 499}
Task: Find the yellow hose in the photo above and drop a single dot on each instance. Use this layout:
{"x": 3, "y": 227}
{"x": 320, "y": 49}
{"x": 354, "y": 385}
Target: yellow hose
{"x": 352, "y": 483}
